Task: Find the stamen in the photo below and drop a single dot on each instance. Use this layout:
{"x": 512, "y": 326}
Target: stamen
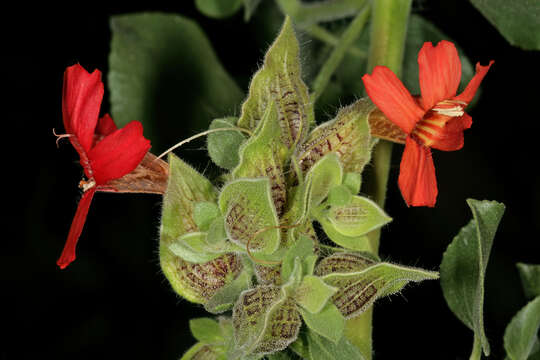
{"x": 451, "y": 108}
{"x": 87, "y": 185}
{"x": 60, "y": 136}
{"x": 452, "y": 112}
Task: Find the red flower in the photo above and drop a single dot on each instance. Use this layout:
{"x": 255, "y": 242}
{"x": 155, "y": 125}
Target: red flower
{"x": 106, "y": 153}
{"x": 434, "y": 120}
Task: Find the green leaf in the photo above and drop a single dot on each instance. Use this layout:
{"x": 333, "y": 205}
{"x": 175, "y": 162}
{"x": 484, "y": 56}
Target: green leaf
{"x": 218, "y": 8}
{"x": 340, "y": 195}
{"x": 206, "y": 330}
{"x": 224, "y": 299}
{"x": 516, "y": 20}
{"x": 265, "y": 320}
{"x": 329, "y": 322}
{"x": 223, "y": 146}
{"x": 313, "y": 293}
{"x": 324, "y": 175}
{"x": 195, "y": 247}
{"x": 263, "y": 155}
{"x": 153, "y": 56}
{"x": 205, "y": 351}
{"x": 521, "y": 334}
{"x": 204, "y": 213}
{"x": 464, "y": 263}
{"x": 303, "y": 248}
{"x": 530, "y": 279}
{"x": 250, "y": 215}
{"x": 323, "y": 349}
{"x": 357, "y": 243}
{"x": 185, "y": 188}
{"x": 361, "y": 281}
{"x": 347, "y": 135}
{"x": 191, "y": 247}
{"x": 357, "y": 218}
{"x": 279, "y": 82}
{"x": 353, "y": 181}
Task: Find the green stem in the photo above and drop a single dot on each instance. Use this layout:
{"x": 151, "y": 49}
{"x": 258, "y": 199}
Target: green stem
{"x": 387, "y": 43}
{"x": 311, "y": 13}
{"x": 476, "y": 353}
{"x": 320, "y": 33}
{"x": 349, "y": 36}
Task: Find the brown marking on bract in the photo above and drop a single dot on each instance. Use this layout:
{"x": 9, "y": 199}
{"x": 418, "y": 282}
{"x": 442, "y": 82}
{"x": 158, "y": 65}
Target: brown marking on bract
{"x": 149, "y": 177}
{"x": 381, "y": 127}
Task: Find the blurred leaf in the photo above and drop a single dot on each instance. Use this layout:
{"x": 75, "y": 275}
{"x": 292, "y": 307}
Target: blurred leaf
{"x": 324, "y": 349}
{"x": 517, "y": 20}
{"x": 249, "y": 8}
{"x": 419, "y": 31}
{"x": 530, "y": 279}
{"x": 223, "y": 146}
{"x": 521, "y": 334}
{"x": 464, "y": 263}
{"x": 348, "y": 85}
{"x": 218, "y": 8}
{"x": 164, "y": 73}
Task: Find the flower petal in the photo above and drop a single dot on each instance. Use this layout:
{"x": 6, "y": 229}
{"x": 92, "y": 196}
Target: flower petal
{"x": 392, "y": 98}
{"x": 417, "y": 180}
{"x": 451, "y": 137}
{"x": 105, "y": 126}
{"x": 81, "y": 100}
{"x": 68, "y": 254}
{"x": 439, "y": 72}
{"x": 118, "y": 153}
{"x": 468, "y": 94}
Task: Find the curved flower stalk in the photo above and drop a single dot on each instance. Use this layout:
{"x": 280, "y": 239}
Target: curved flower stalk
{"x": 434, "y": 120}
{"x": 106, "y": 153}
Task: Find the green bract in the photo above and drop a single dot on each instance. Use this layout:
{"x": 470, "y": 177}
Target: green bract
{"x": 279, "y": 82}
{"x": 250, "y": 216}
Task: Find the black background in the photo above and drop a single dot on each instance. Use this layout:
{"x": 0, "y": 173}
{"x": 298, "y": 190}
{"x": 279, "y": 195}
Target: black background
{"x": 113, "y": 301}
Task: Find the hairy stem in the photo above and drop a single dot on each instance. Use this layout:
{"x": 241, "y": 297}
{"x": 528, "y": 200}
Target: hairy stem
{"x": 349, "y": 36}
{"x": 387, "y": 43}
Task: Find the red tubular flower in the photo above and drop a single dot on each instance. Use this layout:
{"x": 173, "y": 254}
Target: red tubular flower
{"x": 434, "y": 120}
{"x": 106, "y": 153}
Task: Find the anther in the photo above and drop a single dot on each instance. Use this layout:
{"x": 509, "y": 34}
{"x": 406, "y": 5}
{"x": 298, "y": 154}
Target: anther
{"x": 87, "y": 185}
